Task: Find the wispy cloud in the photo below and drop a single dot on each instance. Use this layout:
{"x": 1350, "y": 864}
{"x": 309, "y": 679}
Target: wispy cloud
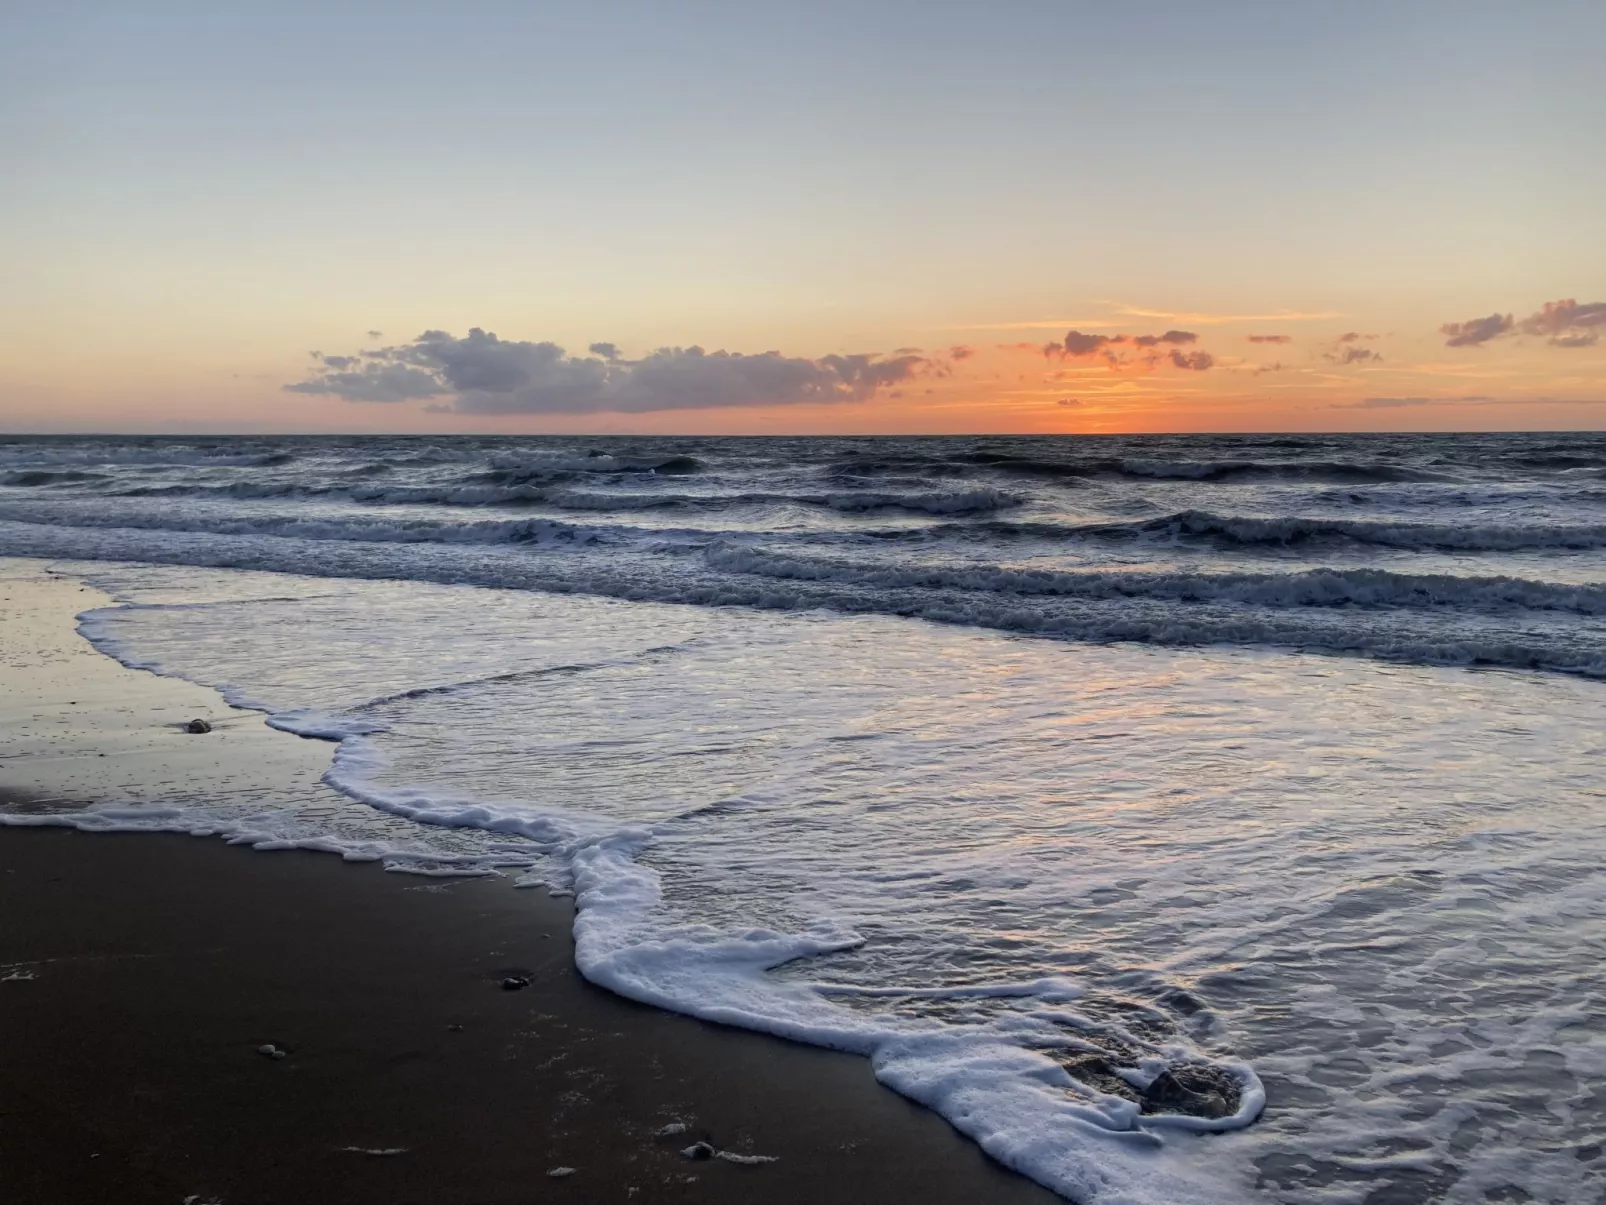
{"x": 1269, "y": 338}
{"x": 1036, "y": 324}
{"x": 1480, "y": 371}
{"x": 1346, "y": 349}
{"x": 1207, "y": 319}
{"x": 1396, "y": 403}
{"x": 1351, "y": 355}
{"x": 1468, "y": 399}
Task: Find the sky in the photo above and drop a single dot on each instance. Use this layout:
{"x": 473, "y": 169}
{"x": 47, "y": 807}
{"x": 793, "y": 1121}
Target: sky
{"x": 757, "y": 217}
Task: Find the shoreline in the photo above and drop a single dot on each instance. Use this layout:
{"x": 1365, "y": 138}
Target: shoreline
{"x": 141, "y": 973}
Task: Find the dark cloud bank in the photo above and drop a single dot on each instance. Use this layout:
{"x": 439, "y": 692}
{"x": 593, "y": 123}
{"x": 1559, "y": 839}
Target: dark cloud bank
{"x": 483, "y": 374}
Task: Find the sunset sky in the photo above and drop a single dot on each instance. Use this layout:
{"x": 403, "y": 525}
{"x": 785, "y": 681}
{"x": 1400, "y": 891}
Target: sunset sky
{"x": 1016, "y": 216}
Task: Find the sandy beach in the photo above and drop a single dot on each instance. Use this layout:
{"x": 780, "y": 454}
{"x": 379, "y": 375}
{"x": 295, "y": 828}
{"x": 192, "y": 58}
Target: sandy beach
{"x": 141, "y": 976}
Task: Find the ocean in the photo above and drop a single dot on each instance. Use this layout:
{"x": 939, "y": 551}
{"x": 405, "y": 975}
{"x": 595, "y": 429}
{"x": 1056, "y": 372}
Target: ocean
{"x": 1185, "y": 818}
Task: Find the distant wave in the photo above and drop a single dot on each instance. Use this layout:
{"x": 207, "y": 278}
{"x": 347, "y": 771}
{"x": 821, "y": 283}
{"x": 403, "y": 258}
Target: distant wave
{"x": 343, "y": 528}
{"x": 1250, "y": 531}
{"x": 1556, "y": 460}
{"x": 1204, "y": 470}
{"x": 975, "y": 501}
{"x": 517, "y": 467}
{"x": 435, "y": 495}
{"x": 39, "y": 477}
{"x": 1562, "y": 643}
{"x": 47, "y": 456}
{"x": 1553, "y": 493}
{"x": 938, "y": 503}
{"x": 878, "y": 466}
{"x": 1471, "y": 538}
{"x": 1252, "y": 470}
{"x": 931, "y": 502}
{"x": 1074, "y": 469}
{"x": 1323, "y": 587}
{"x": 1188, "y": 525}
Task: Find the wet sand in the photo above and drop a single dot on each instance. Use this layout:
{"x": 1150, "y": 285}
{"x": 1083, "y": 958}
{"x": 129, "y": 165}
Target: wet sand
{"x": 140, "y": 974}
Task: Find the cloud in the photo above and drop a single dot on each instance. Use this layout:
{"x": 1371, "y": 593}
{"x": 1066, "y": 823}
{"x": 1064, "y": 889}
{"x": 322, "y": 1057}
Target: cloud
{"x": 1034, "y": 324}
{"x": 1563, "y": 323}
{"x": 1190, "y": 317}
{"x": 376, "y": 334}
{"x": 484, "y": 374}
{"x": 1475, "y": 332}
{"x": 1387, "y": 403}
{"x": 1168, "y": 337}
{"x": 1220, "y": 319}
{"x": 1193, "y": 361}
{"x": 1346, "y": 349}
{"x": 1078, "y": 345}
{"x": 1392, "y": 403}
{"x": 1467, "y": 399}
{"x": 1568, "y": 324}
{"x": 1351, "y": 355}
{"x": 1262, "y": 369}
{"x": 960, "y": 352}
{"x": 382, "y": 382}
{"x": 1270, "y": 338}
{"x": 1070, "y": 401}
{"x": 1397, "y": 403}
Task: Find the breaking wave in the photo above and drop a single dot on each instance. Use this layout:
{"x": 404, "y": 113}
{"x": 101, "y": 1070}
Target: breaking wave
{"x": 345, "y": 528}
{"x": 1286, "y": 530}
{"x": 1338, "y": 472}
{"x": 935, "y": 502}
{"x": 1558, "y": 643}
{"x": 515, "y": 467}
{"x": 36, "y": 457}
{"x": 27, "y": 478}
{"x": 1313, "y": 588}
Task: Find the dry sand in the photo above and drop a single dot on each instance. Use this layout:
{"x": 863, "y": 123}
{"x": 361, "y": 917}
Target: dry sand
{"x": 140, "y": 974}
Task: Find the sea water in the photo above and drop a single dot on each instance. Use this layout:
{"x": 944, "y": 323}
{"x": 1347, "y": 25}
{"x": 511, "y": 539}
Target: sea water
{"x": 1043, "y": 772}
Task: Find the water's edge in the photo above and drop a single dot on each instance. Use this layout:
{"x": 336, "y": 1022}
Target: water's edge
{"x": 991, "y": 1086}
